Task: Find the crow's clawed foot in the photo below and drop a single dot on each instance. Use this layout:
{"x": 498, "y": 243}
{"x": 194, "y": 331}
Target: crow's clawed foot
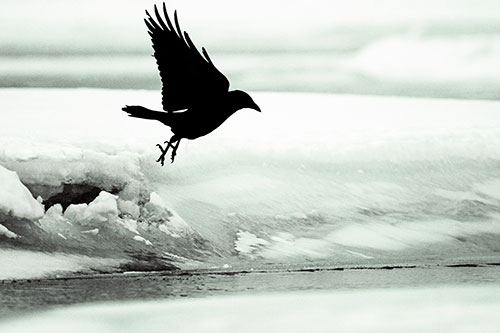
{"x": 172, "y": 157}
{"x": 174, "y": 150}
{"x": 161, "y": 159}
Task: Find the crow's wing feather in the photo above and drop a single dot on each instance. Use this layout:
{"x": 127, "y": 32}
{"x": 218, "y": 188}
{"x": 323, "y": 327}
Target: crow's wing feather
{"x": 187, "y": 76}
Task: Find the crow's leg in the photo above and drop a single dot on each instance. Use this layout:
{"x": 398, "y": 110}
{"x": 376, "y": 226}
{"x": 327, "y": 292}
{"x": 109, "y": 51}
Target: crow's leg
{"x": 161, "y": 159}
{"x": 164, "y": 151}
{"x": 174, "y": 150}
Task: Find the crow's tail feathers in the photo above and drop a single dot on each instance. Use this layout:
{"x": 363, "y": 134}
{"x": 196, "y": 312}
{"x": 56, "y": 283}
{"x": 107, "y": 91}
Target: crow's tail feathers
{"x": 141, "y": 112}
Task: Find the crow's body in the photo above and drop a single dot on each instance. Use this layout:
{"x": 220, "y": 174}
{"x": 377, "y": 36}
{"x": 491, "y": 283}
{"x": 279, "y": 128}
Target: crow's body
{"x": 197, "y": 121}
{"x": 191, "y": 83}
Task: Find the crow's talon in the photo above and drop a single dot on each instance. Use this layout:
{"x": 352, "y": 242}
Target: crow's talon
{"x": 161, "y": 159}
{"x": 164, "y": 151}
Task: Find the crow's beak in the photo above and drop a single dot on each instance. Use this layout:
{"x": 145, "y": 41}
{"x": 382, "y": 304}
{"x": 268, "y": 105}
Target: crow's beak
{"x": 255, "y": 107}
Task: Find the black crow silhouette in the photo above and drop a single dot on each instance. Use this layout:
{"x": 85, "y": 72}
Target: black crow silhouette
{"x": 195, "y": 94}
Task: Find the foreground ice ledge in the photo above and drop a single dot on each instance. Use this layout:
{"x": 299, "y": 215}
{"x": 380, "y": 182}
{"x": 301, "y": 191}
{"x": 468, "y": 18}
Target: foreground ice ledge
{"x": 445, "y": 309}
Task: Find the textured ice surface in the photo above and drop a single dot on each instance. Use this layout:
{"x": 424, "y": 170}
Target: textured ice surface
{"x": 313, "y": 178}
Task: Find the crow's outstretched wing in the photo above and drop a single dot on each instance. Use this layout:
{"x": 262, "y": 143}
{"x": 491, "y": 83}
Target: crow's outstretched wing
{"x": 186, "y": 75}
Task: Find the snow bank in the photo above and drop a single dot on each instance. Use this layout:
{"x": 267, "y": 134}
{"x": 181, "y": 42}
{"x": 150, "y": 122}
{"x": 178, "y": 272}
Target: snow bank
{"x": 317, "y": 177}
{"x": 450, "y": 309}
{"x": 15, "y": 199}
{"x": 94, "y": 141}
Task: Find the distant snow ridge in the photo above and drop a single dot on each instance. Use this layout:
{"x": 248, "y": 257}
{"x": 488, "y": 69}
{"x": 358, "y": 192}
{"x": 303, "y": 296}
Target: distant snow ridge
{"x": 430, "y": 59}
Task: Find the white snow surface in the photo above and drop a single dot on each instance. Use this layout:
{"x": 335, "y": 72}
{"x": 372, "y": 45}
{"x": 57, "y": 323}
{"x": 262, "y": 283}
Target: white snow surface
{"x": 312, "y": 176}
{"x": 85, "y": 131}
{"x": 431, "y": 309}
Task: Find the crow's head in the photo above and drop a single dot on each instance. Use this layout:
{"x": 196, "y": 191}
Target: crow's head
{"x": 242, "y": 100}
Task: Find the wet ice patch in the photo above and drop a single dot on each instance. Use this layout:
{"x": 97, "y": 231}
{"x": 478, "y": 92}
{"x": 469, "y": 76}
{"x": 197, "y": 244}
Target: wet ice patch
{"x": 428, "y": 309}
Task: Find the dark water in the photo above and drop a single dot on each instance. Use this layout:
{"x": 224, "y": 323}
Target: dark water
{"x": 22, "y": 296}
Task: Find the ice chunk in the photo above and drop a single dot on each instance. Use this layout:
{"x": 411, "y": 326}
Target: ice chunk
{"x": 6, "y": 232}
{"x": 142, "y": 239}
{"x": 128, "y": 207}
{"x": 75, "y": 212}
{"x": 129, "y": 224}
{"x": 155, "y": 199}
{"x": 16, "y": 199}
{"x": 91, "y": 231}
{"x": 104, "y": 208}
{"x": 54, "y": 211}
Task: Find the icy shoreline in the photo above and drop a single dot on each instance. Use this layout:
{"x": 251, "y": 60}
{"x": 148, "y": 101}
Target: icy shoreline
{"x": 347, "y": 179}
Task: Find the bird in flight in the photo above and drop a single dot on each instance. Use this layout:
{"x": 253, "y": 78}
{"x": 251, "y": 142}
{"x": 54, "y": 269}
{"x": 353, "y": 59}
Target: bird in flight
{"x": 195, "y": 94}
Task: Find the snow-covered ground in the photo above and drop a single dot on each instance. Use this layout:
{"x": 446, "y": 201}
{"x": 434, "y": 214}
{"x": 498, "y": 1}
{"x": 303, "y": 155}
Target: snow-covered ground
{"x": 449, "y": 309}
{"x": 322, "y": 178}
